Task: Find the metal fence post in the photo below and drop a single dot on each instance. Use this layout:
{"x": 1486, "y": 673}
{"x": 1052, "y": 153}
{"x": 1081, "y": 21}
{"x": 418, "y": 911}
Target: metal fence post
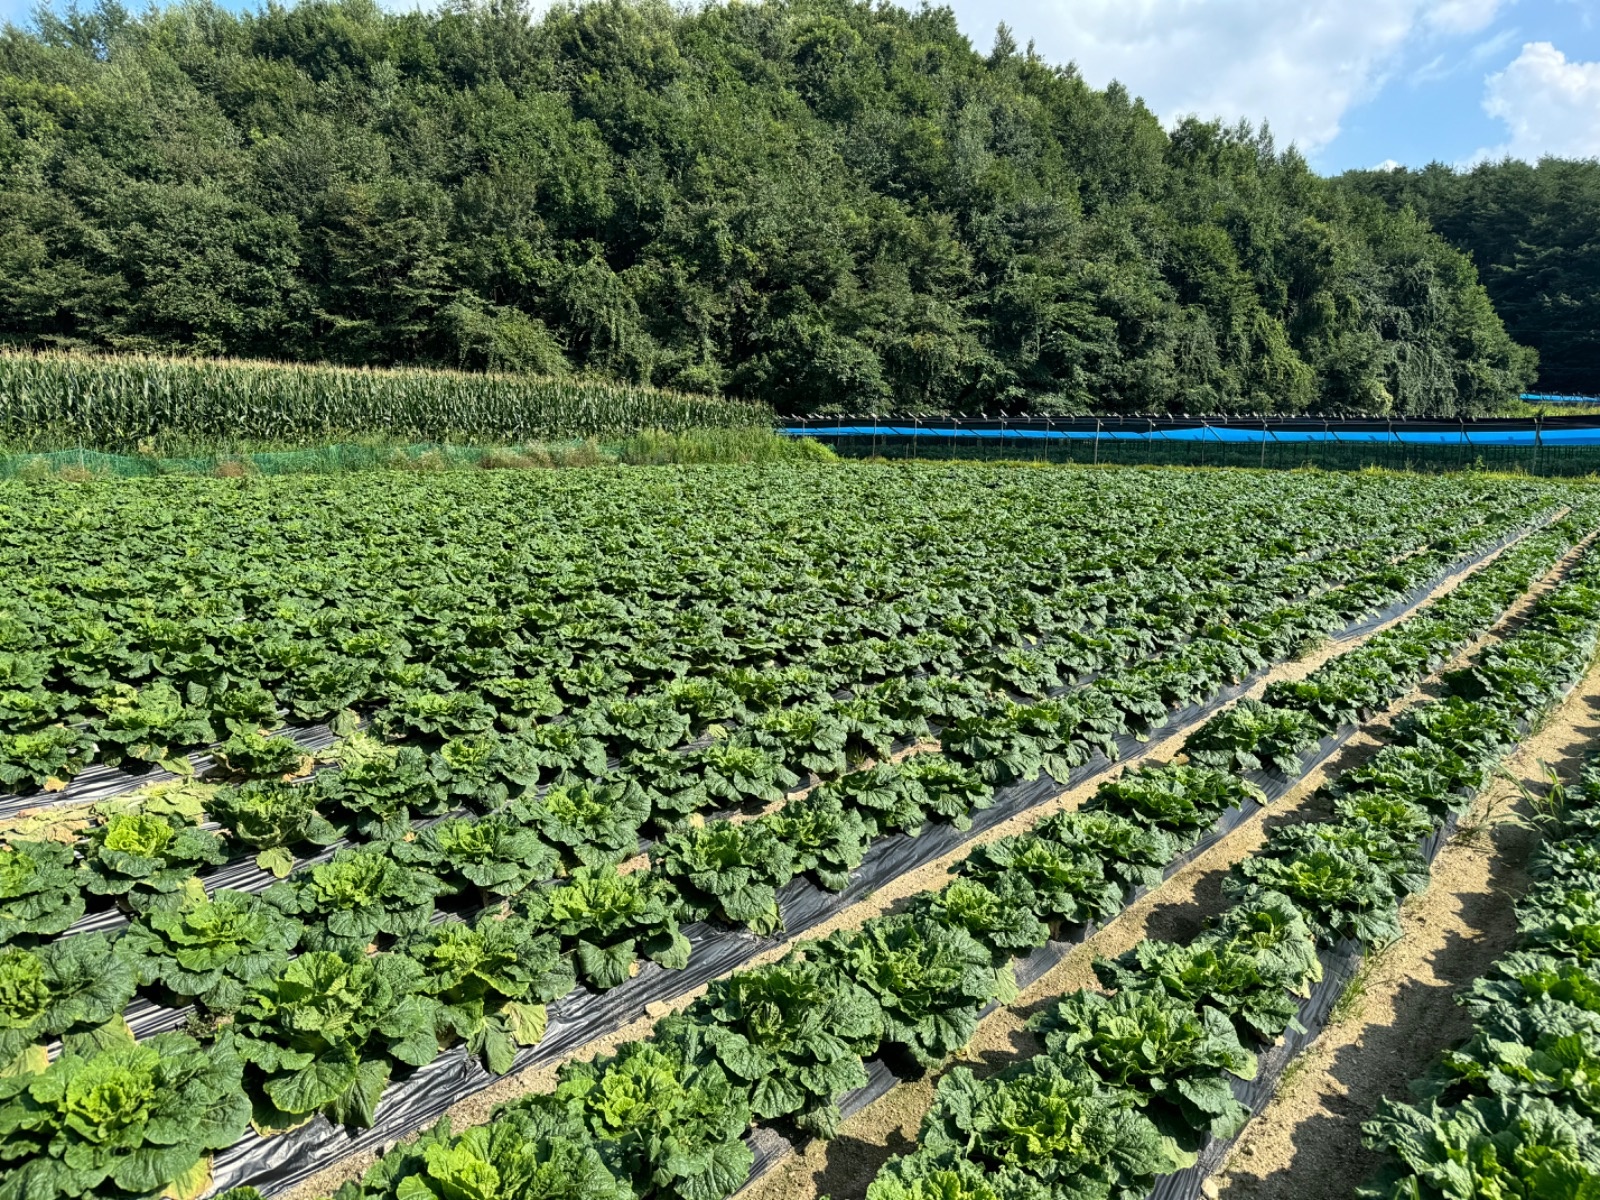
{"x": 1097, "y": 441}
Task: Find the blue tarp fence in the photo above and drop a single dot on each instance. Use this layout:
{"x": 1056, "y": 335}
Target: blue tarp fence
{"x": 1546, "y": 444}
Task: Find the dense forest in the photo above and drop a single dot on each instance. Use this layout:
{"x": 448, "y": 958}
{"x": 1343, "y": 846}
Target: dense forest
{"x": 832, "y": 206}
{"x": 1534, "y": 234}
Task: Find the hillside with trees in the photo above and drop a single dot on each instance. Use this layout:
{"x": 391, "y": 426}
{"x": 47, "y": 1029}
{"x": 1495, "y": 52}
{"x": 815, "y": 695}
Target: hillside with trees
{"x": 827, "y": 205}
{"x": 1534, "y": 234}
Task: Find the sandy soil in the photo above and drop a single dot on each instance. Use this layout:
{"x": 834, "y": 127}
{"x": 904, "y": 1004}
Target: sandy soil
{"x": 843, "y": 1167}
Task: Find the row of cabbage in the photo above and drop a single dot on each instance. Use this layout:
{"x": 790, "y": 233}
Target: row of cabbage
{"x": 1516, "y": 1110}
{"x": 667, "y": 1116}
{"x": 1134, "y": 1082}
{"x": 463, "y": 616}
{"x": 323, "y": 1031}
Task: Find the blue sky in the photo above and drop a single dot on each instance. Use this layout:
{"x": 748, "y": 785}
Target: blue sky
{"x": 1353, "y": 83}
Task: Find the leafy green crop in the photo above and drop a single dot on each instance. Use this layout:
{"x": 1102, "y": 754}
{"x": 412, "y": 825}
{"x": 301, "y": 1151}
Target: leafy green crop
{"x": 1487, "y": 1146}
{"x": 361, "y": 895}
{"x": 272, "y": 816}
{"x": 324, "y": 1034}
{"x": 1183, "y": 800}
{"x": 1252, "y": 736}
{"x": 40, "y": 890}
{"x": 610, "y": 920}
{"x": 1061, "y": 1127}
{"x": 521, "y": 1155}
{"x": 210, "y": 949}
{"x": 126, "y": 1121}
{"x": 793, "y": 1034}
{"x": 589, "y": 823}
{"x": 491, "y": 856}
{"x": 727, "y": 870}
{"x": 146, "y": 859}
{"x": 1170, "y": 1056}
{"x": 1064, "y": 886}
{"x": 827, "y": 839}
{"x": 64, "y": 988}
{"x": 1001, "y": 917}
{"x": 492, "y": 979}
{"x": 675, "y": 1127}
{"x": 931, "y": 982}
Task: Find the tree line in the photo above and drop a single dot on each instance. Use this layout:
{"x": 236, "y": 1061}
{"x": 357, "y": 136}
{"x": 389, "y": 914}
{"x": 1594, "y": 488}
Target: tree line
{"x": 1533, "y": 231}
{"x": 828, "y": 205}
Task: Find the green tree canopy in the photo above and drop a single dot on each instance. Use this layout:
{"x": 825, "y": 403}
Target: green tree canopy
{"x": 829, "y": 205}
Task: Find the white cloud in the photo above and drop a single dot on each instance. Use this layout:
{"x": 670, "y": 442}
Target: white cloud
{"x": 1548, "y": 104}
{"x": 1389, "y": 164}
{"x": 1299, "y": 64}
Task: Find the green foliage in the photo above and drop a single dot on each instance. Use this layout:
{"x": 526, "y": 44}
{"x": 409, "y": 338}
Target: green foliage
{"x": 930, "y": 981}
{"x": 727, "y": 870}
{"x": 210, "y": 948}
{"x": 39, "y": 890}
{"x": 64, "y": 988}
{"x": 492, "y": 979}
{"x": 609, "y": 921}
{"x": 492, "y": 856}
{"x": 892, "y": 220}
{"x": 323, "y": 1035}
{"x": 792, "y": 1034}
{"x": 1173, "y": 1058}
{"x": 360, "y": 896}
{"x": 517, "y": 1155}
{"x": 145, "y": 858}
{"x": 588, "y": 822}
{"x": 126, "y": 1121}
{"x": 1487, "y": 1146}
{"x": 1252, "y": 736}
{"x": 676, "y": 1127}
{"x": 1059, "y": 1126}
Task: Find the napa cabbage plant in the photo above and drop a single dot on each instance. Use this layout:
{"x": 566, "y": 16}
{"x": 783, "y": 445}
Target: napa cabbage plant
{"x": 1064, "y": 886}
{"x": 518, "y": 1156}
{"x": 1173, "y": 1058}
{"x": 728, "y": 871}
{"x": 826, "y": 839}
{"x": 676, "y": 1128}
{"x": 492, "y": 980}
{"x": 609, "y": 921}
{"x": 129, "y": 1120}
{"x": 492, "y": 857}
{"x": 324, "y": 1034}
{"x": 210, "y": 949}
{"x": 361, "y": 895}
{"x": 930, "y": 981}
{"x": 378, "y": 789}
{"x": 145, "y": 859}
{"x": 40, "y": 890}
{"x": 1061, "y": 1127}
{"x": 1182, "y": 799}
{"x": 1485, "y": 1146}
{"x": 1252, "y": 736}
{"x": 42, "y": 757}
{"x": 1000, "y": 917}
{"x": 792, "y": 1034}
{"x": 64, "y": 988}
{"x": 272, "y": 816}
{"x": 589, "y": 822}
{"x": 254, "y": 755}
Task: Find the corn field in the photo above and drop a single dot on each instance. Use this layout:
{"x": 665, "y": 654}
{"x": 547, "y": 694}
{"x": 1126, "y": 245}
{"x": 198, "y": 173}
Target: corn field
{"x": 127, "y": 403}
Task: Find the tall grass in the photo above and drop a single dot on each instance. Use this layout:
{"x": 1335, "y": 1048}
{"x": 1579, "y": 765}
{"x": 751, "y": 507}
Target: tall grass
{"x": 132, "y": 403}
